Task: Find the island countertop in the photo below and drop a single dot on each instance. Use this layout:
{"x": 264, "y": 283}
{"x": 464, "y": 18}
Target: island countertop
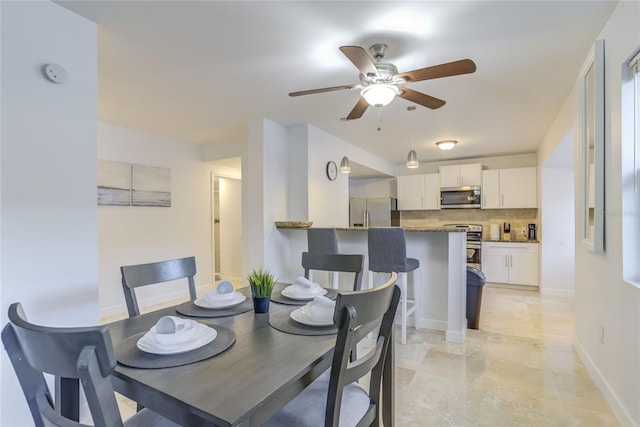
{"x": 408, "y": 229}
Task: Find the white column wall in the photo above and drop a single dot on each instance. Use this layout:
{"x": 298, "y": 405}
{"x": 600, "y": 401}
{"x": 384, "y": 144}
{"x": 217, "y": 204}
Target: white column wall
{"x": 138, "y": 234}
{"x": 557, "y": 275}
{"x": 328, "y": 200}
{"x": 48, "y": 175}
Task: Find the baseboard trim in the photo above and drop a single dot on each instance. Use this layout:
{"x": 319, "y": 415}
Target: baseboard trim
{"x": 437, "y": 325}
{"x": 557, "y": 292}
{"x": 621, "y": 413}
{"x": 119, "y": 309}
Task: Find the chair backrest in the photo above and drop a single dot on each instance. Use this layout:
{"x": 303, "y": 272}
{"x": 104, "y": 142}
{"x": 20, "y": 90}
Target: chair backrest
{"x": 387, "y": 249}
{"x": 76, "y": 353}
{"x": 357, "y": 314}
{"x": 134, "y": 276}
{"x": 322, "y": 240}
{"x": 334, "y": 262}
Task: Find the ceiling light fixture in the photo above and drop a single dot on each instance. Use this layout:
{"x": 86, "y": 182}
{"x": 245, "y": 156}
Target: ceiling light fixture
{"x": 379, "y": 94}
{"x": 344, "y": 165}
{"x": 412, "y": 159}
{"x": 446, "y": 145}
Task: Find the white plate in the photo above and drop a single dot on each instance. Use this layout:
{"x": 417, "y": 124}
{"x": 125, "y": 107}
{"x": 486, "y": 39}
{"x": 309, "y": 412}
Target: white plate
{"x": 225, "y": 303}
{"x": 289, "y": 293}
{"x": 202, "y": 337}
{"x": 301, "y": 316}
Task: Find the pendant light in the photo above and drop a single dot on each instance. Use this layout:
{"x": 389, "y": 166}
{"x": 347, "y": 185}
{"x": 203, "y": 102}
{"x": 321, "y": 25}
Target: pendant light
{"x": 412, "y": 159}
{"x": 344, "y": 165}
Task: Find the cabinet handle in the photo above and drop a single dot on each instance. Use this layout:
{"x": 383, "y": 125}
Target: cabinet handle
{"x": 510, "y": 260}
{"x": 422, "y": 201}
{"x": 502, "y": 200}
{"x": 506, "y": 261}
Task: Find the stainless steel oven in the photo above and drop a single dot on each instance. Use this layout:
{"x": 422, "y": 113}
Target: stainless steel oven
{"x": 474, "y": 243}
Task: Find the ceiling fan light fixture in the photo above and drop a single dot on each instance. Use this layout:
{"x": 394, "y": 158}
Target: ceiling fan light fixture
{"x": 412, "y": 159}
{"x": 446, "y": 145}
{"x": 379, "y": 94}
{"x": 345, "y": 167}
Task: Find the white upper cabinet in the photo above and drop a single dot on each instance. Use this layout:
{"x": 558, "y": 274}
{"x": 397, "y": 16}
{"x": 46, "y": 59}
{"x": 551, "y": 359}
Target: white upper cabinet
{"x": 461, "y": 175}
{"x": 491, "y": 189}
{"x": 419, "y": 192}
{"x": 509, "y": 188}
{"x": 410, "y": 192}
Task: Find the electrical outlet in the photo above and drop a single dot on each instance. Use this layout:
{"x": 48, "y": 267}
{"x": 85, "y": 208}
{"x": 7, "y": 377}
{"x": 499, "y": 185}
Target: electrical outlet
{"x": 601, "y": 335}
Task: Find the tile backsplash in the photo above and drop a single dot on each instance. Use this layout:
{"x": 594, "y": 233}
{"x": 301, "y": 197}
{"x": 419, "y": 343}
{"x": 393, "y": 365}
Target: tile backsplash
{"x": 517, "y": 218}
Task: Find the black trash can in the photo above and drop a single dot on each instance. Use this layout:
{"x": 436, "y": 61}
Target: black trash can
{"x": 475, "y": 285}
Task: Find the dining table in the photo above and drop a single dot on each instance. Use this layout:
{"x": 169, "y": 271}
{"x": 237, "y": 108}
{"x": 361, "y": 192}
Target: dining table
{"x": 245, "y": 384}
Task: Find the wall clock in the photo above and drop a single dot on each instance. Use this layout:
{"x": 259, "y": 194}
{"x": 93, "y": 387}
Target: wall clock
{"x": 332, "y": 170}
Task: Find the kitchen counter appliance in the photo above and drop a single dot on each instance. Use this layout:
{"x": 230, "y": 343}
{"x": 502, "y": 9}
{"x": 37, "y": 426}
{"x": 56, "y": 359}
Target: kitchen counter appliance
{"x": 374, "y": 212}
{"x": 474, "y": 243}
{"x": 460, "y": 197}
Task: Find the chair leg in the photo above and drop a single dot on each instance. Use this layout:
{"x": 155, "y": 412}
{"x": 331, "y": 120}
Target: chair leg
{"x": 403, "y": 308}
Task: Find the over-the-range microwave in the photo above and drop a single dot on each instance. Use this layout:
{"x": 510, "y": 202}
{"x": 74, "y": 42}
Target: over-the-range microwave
{"x": 460, "y": 197}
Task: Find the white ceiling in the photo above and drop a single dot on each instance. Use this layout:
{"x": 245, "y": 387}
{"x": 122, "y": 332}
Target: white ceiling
{"x": 200, "y": 71}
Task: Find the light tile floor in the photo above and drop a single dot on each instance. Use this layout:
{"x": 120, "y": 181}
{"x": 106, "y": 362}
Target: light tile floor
{"x": 518, "y": 369}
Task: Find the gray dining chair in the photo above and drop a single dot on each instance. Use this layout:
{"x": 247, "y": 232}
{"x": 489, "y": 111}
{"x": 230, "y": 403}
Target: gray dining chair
{"x": 387, "y": 247}
{"x": 84, "y": 353}
{"x": 343, "y": 263}
{"x": 324, "y": 241}
{"x": 135, "y": 276}
{"x": 335, "y": 398}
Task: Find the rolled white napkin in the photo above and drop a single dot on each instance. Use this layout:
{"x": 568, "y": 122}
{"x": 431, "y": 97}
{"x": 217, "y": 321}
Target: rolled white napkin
{"x": 304, "y": 287}
{"x": 321, "y": 308}
{"x": 303, "y": 282}
{"x": 223, "y": 292}
{"x": 173, "y": 330}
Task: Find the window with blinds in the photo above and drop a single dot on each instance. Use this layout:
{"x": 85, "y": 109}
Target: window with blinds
{"x": 630, "y": 162}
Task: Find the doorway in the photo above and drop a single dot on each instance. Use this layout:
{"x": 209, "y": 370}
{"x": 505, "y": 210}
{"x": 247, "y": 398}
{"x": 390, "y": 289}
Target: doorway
{"x": 226, "y": 207}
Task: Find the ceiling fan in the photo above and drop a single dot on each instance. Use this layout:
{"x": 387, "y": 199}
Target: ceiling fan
{"x": 380, "y": 81}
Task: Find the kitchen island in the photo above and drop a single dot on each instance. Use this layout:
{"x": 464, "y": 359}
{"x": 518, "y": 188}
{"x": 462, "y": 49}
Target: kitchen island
{"x": 441, "y": 279}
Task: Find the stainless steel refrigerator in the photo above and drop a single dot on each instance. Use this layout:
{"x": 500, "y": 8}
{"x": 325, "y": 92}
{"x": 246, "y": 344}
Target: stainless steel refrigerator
{"x": 374, "y": 212}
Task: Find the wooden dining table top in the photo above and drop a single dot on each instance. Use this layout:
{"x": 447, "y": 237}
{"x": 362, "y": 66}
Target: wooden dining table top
{"x": 243, "y": 386}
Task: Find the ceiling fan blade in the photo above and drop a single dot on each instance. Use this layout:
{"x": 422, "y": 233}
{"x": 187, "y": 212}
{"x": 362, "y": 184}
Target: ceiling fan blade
{"x": 324, "y": 89}
{"x": 464, "y": 66}
{"x": 358, "y": 110}
{"x": 360, "y": 59}
{"x": 421, "y": 98}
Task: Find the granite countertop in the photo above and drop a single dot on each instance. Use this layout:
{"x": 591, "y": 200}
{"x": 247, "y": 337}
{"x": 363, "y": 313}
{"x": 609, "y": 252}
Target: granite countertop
{"x": 407, "y": 229}
{"x": 509, "y": 241}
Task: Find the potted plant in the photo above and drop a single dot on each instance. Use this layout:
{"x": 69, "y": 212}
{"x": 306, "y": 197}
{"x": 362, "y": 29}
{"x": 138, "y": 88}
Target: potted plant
{"x": 261, "y": 282}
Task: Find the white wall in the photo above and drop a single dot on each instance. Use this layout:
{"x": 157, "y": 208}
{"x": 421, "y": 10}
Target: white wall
{"x": 494, "y": 162}
{"x": 48, "y": 175}
{"x": 602, "y": 298}
{"x": 373, "y": 187}
{"x": 557, "y": 275}
{"x": 328, "y": 200}
{"x": 230, "y": 228}
{"x": 135, "y": 235}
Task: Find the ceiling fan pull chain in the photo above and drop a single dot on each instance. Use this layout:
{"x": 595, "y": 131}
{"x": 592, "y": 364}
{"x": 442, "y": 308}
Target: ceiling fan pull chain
{"x": 379, "y": 118}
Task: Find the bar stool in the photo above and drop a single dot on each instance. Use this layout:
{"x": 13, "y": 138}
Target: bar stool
{"x": 324, "y": 241}
{"x": 388, "y": 254}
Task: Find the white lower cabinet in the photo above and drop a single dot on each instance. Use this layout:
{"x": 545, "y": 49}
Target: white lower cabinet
{"x": 510, "y": 263}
